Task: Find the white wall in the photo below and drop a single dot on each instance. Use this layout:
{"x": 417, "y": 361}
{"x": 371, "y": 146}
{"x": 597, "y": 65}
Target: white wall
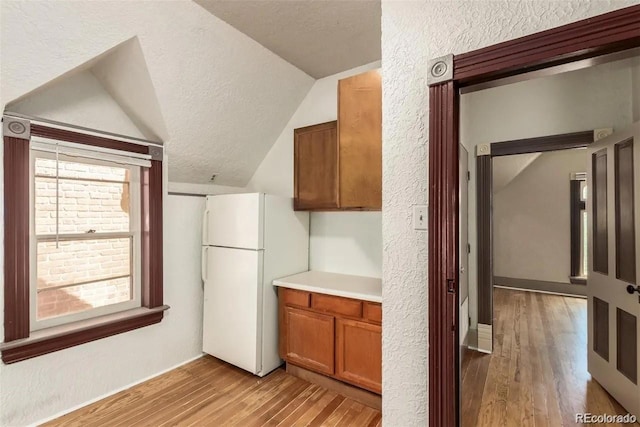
{"x": 412, "y": 33}
{"x": 340, "y": 242}
{"x": 531, "y": 219}
{"x": 75, "y": 100}
{"x": 43, "y": 386}
{"x": 598, "y": 97}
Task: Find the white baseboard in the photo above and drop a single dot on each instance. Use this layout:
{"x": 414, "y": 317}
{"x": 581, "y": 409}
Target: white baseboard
{"x": 485, "y": 338}
{"x": 111, "y": 393}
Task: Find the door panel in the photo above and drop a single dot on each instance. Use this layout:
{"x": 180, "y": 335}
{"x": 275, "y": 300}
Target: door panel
{"x": 625, "y": 213}
{"x": 359, "y": 353}
{"x": 234, "y": 221}
{"x": 315, "y": 152}
{"x": 309, "y": 339}
{"x": 232, "y": 306}
{"x": 612, "y": 205}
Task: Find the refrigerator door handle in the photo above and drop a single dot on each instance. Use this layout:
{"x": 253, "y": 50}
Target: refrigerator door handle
{"x": 205, "y": 227}
{"x": 205, "y": 261}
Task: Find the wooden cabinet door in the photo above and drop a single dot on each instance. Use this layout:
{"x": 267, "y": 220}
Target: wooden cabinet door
{"x": 315, "y": 152}
{"x": 360, "y": 141}
{"x": 309, "y": 340}
{"x": 359, "y": 354}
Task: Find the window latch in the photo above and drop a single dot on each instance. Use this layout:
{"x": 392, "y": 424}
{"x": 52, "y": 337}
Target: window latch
{"x": 91, "y": 231}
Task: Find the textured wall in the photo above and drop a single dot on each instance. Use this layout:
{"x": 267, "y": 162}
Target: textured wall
{"x": 340, "y": 242}
{"x": 412, "y": 33}
{"x": 531, "y": 219}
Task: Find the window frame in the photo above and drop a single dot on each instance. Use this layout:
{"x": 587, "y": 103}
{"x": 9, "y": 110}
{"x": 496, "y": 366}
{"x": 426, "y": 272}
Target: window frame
{"x": 134, "y": 234}
{"x": 577, "y": 207}
{"x": 20, "y": 343}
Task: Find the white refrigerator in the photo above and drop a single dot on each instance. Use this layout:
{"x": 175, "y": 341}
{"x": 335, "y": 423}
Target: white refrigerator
{"x": 248, "y": 240}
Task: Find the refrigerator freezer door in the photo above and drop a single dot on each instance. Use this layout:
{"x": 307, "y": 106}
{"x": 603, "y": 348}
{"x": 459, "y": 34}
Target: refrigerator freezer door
{"x": 233, "y": 307}
{"x": 234, "y": 221}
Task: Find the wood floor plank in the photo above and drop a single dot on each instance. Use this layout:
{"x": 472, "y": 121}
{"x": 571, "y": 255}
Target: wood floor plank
{"x": 208, "y": 392}
{"x": 537, "y": 374}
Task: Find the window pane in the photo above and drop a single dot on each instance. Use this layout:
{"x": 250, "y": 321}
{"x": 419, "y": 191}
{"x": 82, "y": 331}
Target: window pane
{"x": 71, "y": 169}
{"x": 58, "y": 301}
{"x": 82, "y": 206}
{"x": 81, "y": 261}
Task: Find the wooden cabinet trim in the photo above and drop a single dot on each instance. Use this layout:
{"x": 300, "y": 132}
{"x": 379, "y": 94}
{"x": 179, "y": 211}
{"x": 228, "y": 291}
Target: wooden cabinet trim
{"x": 336, "y": 305}
{"x": 372, "y": 311}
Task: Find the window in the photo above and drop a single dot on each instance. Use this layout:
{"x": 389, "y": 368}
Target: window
{"x": 86, "y": 236}
{"x": 83, "y": 238}
{"x": 579, "y": 242}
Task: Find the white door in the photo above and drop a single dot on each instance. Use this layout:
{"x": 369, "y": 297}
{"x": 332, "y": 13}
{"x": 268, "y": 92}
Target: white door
{"x": 233, "y": 306}
{"x": 614, "y": 256}
{"x": 234, "y": 221}
{"x": 464, "y": 244}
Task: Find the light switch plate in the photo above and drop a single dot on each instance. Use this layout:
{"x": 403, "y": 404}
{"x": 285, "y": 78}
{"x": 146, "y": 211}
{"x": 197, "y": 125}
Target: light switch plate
{"x": 420, "y": 217}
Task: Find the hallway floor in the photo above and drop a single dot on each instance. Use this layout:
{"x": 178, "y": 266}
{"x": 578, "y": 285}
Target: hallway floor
{"x": 537, "y": 374}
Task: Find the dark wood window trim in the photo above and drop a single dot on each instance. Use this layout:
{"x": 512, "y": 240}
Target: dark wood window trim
{"x": 19, "y": 344}
{"x": 612, "y": 32}
{"x": 576, "y": 206}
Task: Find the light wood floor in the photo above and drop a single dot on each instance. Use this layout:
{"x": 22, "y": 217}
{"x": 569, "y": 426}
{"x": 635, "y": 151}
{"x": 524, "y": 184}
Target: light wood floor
{"x": 208, "y": 392}
{"x": 537, "y": 374}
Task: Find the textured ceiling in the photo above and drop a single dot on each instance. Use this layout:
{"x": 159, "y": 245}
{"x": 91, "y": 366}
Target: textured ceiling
{"x": 218, "y": 99}
{"x": 321, "y": 37}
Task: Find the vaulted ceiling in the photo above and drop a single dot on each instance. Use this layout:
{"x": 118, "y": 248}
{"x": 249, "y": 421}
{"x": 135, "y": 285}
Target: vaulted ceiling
{"x": 217, "y": 98}
{"x": 321, "y": 37}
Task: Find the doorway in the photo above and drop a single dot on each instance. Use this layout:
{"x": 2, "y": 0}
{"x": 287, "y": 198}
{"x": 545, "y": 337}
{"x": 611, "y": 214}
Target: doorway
{"x": 532, "y": 199}
{"x": 588, "y": 39}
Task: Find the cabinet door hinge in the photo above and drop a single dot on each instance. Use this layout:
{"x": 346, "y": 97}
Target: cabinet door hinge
{"x": 468, "y": 176}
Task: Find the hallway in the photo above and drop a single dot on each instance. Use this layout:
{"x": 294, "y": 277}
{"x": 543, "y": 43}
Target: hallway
{"x": 537, "y": 374}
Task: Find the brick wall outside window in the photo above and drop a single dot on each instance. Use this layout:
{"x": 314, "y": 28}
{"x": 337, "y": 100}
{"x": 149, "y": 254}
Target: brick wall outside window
{"x": 97, "y": 201}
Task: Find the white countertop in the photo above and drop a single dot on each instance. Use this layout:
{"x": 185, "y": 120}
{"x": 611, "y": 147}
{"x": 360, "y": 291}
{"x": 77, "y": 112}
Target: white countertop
{"x": 341, "y": 285}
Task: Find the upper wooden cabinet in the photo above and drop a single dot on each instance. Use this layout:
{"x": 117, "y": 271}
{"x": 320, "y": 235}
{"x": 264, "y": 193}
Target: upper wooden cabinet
{"x": 315, "y": 153}
{"x": 360, "y": 141}
{"x": 338, "y": 165}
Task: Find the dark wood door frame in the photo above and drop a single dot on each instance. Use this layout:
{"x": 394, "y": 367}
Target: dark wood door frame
{"x": 484, "y": 201}
{"x": 600, "y": 35}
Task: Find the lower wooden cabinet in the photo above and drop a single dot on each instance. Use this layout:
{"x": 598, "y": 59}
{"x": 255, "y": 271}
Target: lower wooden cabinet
{"x": 333, "y": 336}
{"x": 310, "y": 340}
{"x": 359, "y": 353}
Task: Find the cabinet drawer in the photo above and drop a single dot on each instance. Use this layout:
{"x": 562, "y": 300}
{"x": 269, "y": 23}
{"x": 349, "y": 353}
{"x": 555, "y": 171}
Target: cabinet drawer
{"x": 337, "y": 305}
{"x": 372, "y": 311}
{"x": 294, "y": 297}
